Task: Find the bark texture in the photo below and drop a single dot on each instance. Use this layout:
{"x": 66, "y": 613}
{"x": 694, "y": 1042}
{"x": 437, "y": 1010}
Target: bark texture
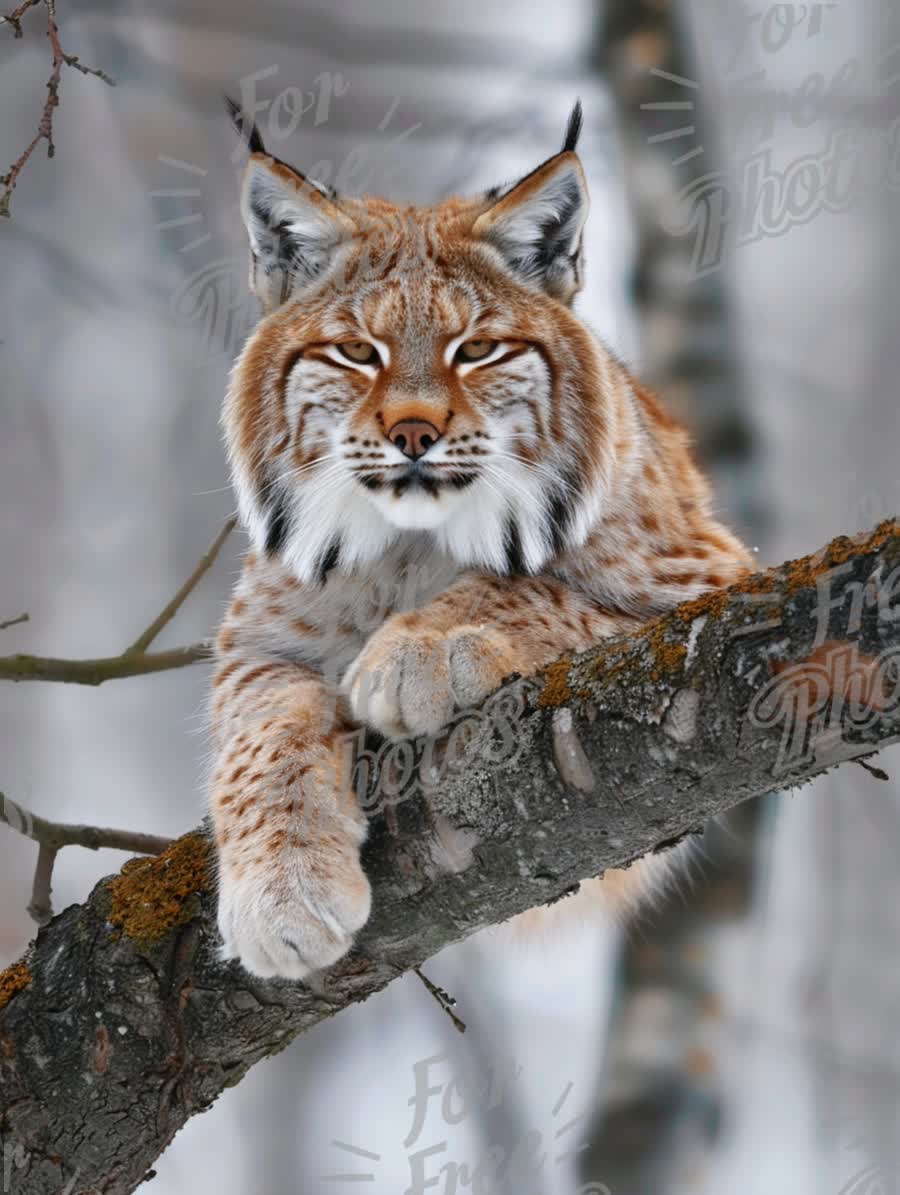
{"x": 120, "y": 1023}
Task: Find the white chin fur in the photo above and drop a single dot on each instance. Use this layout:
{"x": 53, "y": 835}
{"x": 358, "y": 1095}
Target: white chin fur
{"x": 417, "y": 511}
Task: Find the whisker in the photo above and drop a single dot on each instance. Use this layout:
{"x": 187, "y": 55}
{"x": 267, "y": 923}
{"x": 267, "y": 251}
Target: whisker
{"x": 205, "y": 493}
{"x": 529, "y": 498}
{"x": 522, "y": 492}
{"x": 550, "y": 474}
{"x": 503, "y": 498}
{"x": 293, "y": 473}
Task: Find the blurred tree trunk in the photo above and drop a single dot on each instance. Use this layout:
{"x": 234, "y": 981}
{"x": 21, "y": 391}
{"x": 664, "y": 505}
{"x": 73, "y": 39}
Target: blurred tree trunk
{"x": 660, "y": 1106}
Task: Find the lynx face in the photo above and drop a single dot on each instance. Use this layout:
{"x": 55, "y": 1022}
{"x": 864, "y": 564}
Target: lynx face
{"x": 418, "y": 371}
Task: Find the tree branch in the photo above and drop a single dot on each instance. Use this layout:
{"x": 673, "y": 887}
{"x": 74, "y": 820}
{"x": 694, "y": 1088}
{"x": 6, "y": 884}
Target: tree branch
{"x": 53, "y": 836}
{"x": 45, "y": 126}
{"x": 134, "y": 660}
{"x": 95, "y": 672}
{"x": 588, "y": 766}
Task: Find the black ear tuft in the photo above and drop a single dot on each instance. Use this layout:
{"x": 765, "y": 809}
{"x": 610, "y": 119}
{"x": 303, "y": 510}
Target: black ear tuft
{"x": 251, "y": 136}
{"x": 573, "y": 130}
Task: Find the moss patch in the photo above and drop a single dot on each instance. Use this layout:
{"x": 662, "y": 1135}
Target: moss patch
{"x": 152, "y": 896}
{"x": 13, "y": 979}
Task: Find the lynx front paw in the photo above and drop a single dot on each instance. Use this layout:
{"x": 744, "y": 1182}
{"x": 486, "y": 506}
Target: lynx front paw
{"x": 410, "y": 680}
{"x": 295, "y": 913}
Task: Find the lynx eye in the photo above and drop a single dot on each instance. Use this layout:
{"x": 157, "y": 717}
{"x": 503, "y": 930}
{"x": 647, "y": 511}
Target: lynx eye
{"x": 475, "y": 350}
{"x": 359, "y": 351}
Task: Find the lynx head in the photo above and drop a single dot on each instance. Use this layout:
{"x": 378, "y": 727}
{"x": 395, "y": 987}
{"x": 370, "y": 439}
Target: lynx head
{"x": 418, "y": 372}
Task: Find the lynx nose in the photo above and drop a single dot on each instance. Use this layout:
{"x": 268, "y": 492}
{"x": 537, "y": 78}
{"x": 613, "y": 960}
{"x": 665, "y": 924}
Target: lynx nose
{"x": 413, "y": 437}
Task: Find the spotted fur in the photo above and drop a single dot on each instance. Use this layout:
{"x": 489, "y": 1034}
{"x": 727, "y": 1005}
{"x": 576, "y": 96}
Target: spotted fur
{"x": 554, "y": 503}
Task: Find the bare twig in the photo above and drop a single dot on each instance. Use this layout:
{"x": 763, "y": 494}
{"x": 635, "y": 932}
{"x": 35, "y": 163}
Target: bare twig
{"x": 444, "y": 1000}
{"x": 165, "y": 616}
{"x": 13, "y": 622}
{"x": 14, "y": 18}
{"x": 41, "y": 907}
{"x": 135, "y": 660}
{"x": 45, "y": 126}
{"x": 878, "y": 773}
{"x": 51, "y": 837}
{"x": 104, "y": 668}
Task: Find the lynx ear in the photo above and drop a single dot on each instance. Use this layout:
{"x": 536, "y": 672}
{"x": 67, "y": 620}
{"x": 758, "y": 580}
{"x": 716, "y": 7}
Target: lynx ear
{"x": 295, "y": 228}
{"x": 537, "y": 224}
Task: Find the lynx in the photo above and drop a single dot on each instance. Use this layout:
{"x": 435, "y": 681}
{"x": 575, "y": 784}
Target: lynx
{"x": 446, "y": 479}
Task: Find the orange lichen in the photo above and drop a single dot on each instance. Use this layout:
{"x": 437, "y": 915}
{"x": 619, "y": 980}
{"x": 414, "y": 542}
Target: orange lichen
{"x": 713, "y": 603}
{"x": 758, "y": 582}
{"x": 668, "y": 657}
{"x": 13, "y": 979}
{"x": 807, "y": 570}
{"x": 152, "y": 896}
{"x": 556, "y": 690}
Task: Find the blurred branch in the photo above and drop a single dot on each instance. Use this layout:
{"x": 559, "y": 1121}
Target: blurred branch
{"x": 104, "y": 668}
{"x": 45, "y": 126}
{"x": 13, "y": 622}
{"x": 53, "y": 836}
{"x": 166, "y": 615}
{"x": 617, "y": 752}
{"x": 134, "y": 660}
{"x": 14, "y": 18}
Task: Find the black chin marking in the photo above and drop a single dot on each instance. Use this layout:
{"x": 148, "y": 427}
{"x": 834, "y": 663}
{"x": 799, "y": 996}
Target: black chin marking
{"x": 515, "y": 559}
{"x": 429, "y": 482}
{"x": 561, "y": 509}
{"x": 459, "y": 481}
{"x": 329, "y": 560}
{"x": 371, "y": 483}
{"x": 277, "y": 528}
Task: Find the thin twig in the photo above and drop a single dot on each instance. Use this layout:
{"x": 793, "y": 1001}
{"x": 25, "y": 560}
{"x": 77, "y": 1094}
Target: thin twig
{"x": 41, "y": 907}
{"x": 51, "y": 837}
{"x": 444, "y": 999}
{"x": 14, "y": 18}
{"x": 135, "y": 660}
{"x": 166, "y": 615}
{"x": 13, "y": 622}
{"x": 45, "y": 126}
{"x": 878, "y": 773}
